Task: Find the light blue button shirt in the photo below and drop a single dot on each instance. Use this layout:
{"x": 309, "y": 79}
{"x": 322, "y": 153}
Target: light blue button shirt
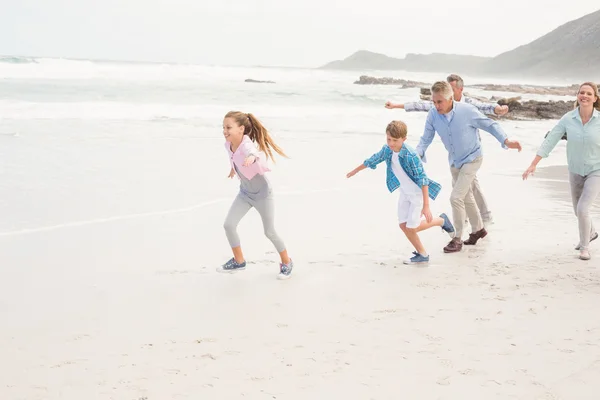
{"x": 459, "y": 131}
{"x": 583, "y": 142}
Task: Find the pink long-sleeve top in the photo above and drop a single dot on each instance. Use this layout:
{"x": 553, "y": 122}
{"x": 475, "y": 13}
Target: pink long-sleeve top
{"x": 247, "y": 148}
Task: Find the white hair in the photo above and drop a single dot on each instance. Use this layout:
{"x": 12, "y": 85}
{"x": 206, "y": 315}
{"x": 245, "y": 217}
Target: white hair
{"x": 443, "y": 88}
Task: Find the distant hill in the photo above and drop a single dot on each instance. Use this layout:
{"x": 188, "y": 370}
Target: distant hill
{"x": 571, "y": 51}
{"x": 435, "y": 62}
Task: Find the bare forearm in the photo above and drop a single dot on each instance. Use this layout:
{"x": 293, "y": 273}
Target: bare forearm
{"x": 395, "y": 105}
{"x": 536, "y": 160}
{"x": 359, "y": 168}
{"x": 425, "y": 190}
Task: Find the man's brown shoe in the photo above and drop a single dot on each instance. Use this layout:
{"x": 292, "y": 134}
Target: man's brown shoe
{"x": 454, "y": 246}
{"x": 474, "y": 237}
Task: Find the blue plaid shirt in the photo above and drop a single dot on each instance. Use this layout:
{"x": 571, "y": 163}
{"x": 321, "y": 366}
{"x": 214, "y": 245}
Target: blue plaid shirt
{"x": 410, "y": 163}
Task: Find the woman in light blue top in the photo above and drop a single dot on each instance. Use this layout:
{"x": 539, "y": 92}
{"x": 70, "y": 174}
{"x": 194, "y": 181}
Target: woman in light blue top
{"x": 582, "y": 126}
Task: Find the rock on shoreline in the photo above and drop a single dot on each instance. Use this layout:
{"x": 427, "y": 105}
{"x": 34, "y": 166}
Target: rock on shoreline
{"x": 533, "y": 109}
{"x": 518, "y": 110}
{"x": 369, "y": 80}
{"x": 256, "y": 81}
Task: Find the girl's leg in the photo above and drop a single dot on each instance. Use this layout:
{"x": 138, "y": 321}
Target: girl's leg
{"x": 266, "y": 208}
{"x": 587, "y": 190}
{"x": 237, "y": 211}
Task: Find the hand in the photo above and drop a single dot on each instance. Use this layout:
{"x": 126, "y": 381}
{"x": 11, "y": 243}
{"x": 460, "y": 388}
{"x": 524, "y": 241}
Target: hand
{"x": 351, "y": 174}
{"x": 529, "y": 171}
{"x": 231, "y": 173}
{"x": 501, "y": 110}
{"x": 427, "y": 213}
{"x": 513, "y": 144}
{"x": 249, "y": 160}
{"x": 389, "y": 105}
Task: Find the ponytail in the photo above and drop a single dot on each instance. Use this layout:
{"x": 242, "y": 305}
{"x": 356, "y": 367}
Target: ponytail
{"x": 257, "y": 133}
{"x": 260, "y": 135}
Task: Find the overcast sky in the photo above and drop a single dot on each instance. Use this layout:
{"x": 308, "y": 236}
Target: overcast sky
{"x": 302, "y": 33}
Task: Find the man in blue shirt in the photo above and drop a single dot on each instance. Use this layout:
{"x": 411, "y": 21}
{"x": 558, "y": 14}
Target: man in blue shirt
{"x": 458, "y": 84}
{"x": 457, "y": 125}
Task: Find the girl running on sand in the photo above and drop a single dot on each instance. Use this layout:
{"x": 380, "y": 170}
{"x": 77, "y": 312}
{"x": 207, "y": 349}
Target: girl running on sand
{"x": 242, "y": 131}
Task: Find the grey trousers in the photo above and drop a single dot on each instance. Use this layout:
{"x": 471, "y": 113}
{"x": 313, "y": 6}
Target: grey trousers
{"x": 266, "y": 209}
{"x": 584, "y": 191}
{"x": 462, "y": 199}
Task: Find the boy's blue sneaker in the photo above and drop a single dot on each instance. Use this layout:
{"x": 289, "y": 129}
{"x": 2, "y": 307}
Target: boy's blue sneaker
{"x": 417, "y": 259}
{"x": 447, "y": 226}
{"x": 232, "y": 266}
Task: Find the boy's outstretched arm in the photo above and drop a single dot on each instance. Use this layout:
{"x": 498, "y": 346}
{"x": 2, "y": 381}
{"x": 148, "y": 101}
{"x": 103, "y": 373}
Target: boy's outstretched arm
{"x": 356, "y": 170}
{"x": 370, "y": 162}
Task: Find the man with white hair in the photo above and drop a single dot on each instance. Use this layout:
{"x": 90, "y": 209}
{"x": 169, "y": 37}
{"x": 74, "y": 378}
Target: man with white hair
{"x": 458, "y": 85}
{"x": 457, "y": 125}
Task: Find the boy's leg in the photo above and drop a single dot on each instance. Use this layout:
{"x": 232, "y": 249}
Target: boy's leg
{"x": 409, "y": 212}
{"x": 436, "y": 221}
{"x": 413, "y": 238}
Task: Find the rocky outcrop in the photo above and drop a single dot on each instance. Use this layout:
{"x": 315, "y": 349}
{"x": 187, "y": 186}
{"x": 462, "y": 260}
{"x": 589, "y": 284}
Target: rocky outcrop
{"x": 533, "y": 109}
{"x": 403, "y": 83}
{"x": 518, "y": 110}
{"x": 255, "y": 81}
{"x": 425, "y": 94}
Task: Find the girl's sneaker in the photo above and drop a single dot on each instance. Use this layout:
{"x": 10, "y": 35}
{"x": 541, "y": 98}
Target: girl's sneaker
{"x": 447, "y": 226}
{"x": 584, "y": 254}
{"x": 417, "y": 259}
{"x": 594, "y": 237}
{"x": 285, "y": 270}
{"x": 232, "y": 266}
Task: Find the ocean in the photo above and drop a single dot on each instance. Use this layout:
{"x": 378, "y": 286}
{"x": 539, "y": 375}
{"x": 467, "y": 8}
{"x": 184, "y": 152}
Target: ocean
{"x": 87, "y": 140}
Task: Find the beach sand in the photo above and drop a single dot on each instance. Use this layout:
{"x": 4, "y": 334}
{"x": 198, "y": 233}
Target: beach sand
{"x": 132, "y": 308}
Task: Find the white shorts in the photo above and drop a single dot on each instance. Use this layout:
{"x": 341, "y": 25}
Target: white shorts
{"x": 409, "y": 209}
